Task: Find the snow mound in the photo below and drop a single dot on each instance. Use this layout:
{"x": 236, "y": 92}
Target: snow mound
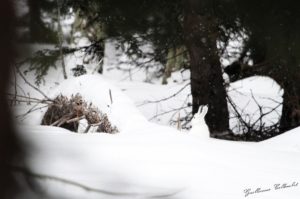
{"x": 96, "y": 90}
{"x": 93, "y": 88}
{"x": 289, "y": 140}
{"x": 156, "y": 165}
{"x": 146, "y": 160}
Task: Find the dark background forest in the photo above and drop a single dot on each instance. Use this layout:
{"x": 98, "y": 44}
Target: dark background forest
{"x": 190, "y": 31}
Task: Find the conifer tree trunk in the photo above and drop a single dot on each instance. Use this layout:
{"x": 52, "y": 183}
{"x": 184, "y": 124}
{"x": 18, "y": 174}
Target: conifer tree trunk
{"x": 35, "y": 22}
{"x": 290, "y": 115}
{"x": 38, "y": 31}
{"x": 207, "y": 84}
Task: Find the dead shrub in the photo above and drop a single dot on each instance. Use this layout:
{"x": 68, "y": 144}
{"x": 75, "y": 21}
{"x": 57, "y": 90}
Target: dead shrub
{"x": 105, "y": 126}
{"x": 67, "y": 113}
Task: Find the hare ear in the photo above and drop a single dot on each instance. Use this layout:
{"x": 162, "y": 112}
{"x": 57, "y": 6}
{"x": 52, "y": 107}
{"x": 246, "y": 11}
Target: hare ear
{"x": 204, "y": 110}
{"x": 200, "y": 109}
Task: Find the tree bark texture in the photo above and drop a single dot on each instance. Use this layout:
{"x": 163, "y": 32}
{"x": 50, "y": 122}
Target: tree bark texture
{"x": 207, "y": 84}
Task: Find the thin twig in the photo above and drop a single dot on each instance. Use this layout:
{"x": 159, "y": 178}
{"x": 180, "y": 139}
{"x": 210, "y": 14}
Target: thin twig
{"x": 110, "y": 96}
{"x": 183, "y": 104}
{"x": 166, "y": 112}
{"x": 32, "y": 110}
{"x": 97, "y": 67}
{"x": 97, "y": 124}
{"x": 87, "y": 128}
{"x": 76, "y": 119}
{"x": 31, "y": 85}
{"x": 139, "y": 65}
{"x": 57, "y": 121}
{"x": 64, "y": 120}
{"x": 166, "y": 98}
{"x": 30, "y": 98}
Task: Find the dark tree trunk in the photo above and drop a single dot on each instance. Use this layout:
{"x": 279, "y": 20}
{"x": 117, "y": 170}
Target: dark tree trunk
{"x": 38, "y": 31}
{"x": 207, "y": 84}
{"x": 35, "y": 22}
{"x": 290, "y": 116}
{"x": 288, "y": 77}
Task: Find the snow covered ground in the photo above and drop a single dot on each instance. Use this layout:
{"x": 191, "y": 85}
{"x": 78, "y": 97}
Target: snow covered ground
{"x": 153, "y": 160}
{"x": 148, "y": 164}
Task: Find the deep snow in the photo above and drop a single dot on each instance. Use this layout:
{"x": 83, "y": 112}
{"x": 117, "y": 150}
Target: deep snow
{"x": 147, "y": 160}
{"x": 153, "y": 160}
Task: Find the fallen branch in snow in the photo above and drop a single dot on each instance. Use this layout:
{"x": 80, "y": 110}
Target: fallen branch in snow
{"x": 62, "y": 120}
{"x": 28, "y": 173}
{"x": 97, "y": 124}
{"x": 93, "y": 125}
{"x": 75, "y": 119}
{"x": 87, "y": 128}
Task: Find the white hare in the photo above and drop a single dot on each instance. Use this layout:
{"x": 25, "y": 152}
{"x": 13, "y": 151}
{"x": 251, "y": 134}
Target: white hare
{"x": 199, "y": 126}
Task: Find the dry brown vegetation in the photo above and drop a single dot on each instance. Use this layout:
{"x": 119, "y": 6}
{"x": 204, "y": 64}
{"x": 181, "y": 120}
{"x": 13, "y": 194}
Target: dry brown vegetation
{"x": 66, "y": 113}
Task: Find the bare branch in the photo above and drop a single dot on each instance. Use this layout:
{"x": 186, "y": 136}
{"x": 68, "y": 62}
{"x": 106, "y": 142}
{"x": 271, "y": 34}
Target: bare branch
{"x": 239, "y": 116}
{"x": 87, "y": 128}
{"x": 76, "y": 119}
{"x": 167, "y": 98}
{"x": 97, "y": 124}
{"x": 110, "y": 97}
{"x": 31, "y": 99}
{"x": 170, "y": 111}
{"x": 34, "y": 108}
{"x": 31, "y": 85}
